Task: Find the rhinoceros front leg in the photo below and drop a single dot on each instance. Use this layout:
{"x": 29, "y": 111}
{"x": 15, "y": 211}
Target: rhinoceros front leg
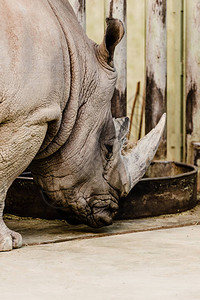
{"x": 18, "y": 146}
{"x": 8, "y": 238}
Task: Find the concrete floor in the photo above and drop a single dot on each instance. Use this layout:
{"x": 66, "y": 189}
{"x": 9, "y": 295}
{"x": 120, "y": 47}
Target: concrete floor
{"x": 158, "y": 264}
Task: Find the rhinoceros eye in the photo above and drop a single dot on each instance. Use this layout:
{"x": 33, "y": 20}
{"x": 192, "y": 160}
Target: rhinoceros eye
{"x": 109, "y": 151}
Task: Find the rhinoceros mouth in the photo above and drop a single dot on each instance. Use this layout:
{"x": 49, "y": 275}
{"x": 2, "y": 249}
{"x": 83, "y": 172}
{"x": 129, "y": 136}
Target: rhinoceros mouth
{"x": 95, "y": 211}
{"x": 102, "y": 211}
{"x": 103, "y": 217}
{"x": 95, "y": 216}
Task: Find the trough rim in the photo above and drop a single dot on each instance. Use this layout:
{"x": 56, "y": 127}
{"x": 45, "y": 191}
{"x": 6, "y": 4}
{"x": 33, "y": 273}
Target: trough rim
{"x": 186, "y": 174}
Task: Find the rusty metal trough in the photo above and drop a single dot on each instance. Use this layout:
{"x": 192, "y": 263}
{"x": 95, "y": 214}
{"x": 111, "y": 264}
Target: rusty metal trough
{"x": 168, "y": 187}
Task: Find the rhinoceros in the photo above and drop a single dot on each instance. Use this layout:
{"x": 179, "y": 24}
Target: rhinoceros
{"x": 56, "y": 87}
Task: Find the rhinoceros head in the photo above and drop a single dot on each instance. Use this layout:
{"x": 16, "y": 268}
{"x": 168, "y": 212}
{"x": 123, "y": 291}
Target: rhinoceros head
{"x": 90, "y": 172}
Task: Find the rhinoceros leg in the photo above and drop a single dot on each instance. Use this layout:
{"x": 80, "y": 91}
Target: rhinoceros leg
{"x": 8, "y": 238}
{"x": 19, "y": 144}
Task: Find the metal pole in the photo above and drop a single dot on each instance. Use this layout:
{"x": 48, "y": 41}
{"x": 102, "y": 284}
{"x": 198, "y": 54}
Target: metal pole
{"x": 156, "y": 67}
{"x": 117, "y": 9}
{"x": 79, "y": 9}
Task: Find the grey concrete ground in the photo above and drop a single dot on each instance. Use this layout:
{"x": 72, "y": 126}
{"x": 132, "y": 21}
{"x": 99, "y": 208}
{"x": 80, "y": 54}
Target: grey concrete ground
{"x": 158, "y": 264}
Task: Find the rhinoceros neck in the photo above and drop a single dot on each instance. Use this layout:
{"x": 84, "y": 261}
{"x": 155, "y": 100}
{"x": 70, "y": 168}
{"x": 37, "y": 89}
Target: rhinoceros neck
{"x": 77, "y": 51}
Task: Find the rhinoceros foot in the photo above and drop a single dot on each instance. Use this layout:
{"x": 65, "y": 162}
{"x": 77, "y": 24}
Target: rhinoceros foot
{"x": 9, "y": 239}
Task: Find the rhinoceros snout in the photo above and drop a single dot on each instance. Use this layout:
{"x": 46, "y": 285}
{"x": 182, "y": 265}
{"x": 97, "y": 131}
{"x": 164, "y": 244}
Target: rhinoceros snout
{"x": 103, "y": 216}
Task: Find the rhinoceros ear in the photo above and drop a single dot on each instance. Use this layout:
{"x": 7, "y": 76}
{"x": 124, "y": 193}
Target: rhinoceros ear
{"x": 114, "y": 34}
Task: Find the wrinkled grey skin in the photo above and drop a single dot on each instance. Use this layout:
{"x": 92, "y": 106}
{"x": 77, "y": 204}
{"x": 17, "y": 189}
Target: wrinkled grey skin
{"x": 56, "y": 87}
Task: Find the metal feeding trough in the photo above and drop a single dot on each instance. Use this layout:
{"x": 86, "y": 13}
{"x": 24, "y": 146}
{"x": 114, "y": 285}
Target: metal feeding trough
{"x": 25, "y": 199}
{"x": 168, "y": 187}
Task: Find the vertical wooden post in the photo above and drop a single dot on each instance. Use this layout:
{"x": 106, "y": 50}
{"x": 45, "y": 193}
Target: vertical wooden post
{"x": 156, "y": 67}
{"x": 192, "y": 84}
{"x": 192, "y": 76}
{"x": 175, "y": 76}
{"x": 117, "y": 9}
{"x": 79, "y": 9}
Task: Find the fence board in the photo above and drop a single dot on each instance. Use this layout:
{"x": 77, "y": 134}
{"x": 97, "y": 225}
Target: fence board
{"x": 156, "y": 68}
{"x": 117, "y": 9}
{"x": 192, "y": 85}
{"x": 193, "y": 76}
{"x": 175, "y": 109}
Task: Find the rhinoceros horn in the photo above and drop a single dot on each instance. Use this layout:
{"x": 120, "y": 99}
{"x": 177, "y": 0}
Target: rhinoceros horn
{"x": 138, "y": 160}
